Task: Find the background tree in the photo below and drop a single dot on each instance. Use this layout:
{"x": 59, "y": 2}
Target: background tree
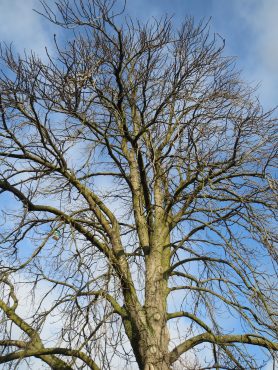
{"x": 143, "y": 168}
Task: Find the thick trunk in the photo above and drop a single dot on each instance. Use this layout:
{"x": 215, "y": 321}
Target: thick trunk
{"x": 157, "y": 343}
{"x": 156, "y": 358}
{"x": 147, "y": 328}
{"x": 150, "y": 345}
{"x": 157, "y": 365}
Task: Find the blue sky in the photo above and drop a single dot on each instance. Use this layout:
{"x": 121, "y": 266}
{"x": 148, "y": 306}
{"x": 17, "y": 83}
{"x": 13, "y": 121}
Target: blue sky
{"x": 249, "y": 27}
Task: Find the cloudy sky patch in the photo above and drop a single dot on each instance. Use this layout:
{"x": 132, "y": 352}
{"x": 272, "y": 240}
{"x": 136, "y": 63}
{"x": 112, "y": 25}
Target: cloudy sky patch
{"x": 24, "y": 28}
{"x": 249, "y": 27}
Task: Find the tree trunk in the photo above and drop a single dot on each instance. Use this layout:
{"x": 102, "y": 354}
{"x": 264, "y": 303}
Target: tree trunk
{"x": 159, "y": 365}
{"x": 157, "y": 263}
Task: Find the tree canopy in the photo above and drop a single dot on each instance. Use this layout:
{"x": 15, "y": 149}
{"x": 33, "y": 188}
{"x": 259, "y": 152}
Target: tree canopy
{"x": 138, "y": 179}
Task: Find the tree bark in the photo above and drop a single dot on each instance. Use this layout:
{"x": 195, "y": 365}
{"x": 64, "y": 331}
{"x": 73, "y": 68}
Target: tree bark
{"x": 157, "y": 346}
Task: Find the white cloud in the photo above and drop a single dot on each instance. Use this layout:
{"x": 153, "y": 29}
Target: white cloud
{"x": 23, "y": 27}
{"x": 261, "y": 16}
{"x": 269, "y": 366}
{"x": 261, "y": 20}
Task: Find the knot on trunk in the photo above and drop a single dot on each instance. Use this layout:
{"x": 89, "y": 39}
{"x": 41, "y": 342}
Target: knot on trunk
{"x": 156, "y": 316}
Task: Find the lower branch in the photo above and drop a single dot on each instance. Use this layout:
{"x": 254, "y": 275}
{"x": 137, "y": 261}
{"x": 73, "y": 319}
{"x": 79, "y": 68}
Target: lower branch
{"x": 223, "y": 340}
{"x": 41, "y": 352}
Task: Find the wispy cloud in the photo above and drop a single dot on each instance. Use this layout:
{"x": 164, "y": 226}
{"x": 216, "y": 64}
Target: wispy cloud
{"x": 260, "y": 19}
{"x": 23, "y": 27}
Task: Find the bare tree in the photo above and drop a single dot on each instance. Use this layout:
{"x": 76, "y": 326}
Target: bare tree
{"x": 143, "y": 173}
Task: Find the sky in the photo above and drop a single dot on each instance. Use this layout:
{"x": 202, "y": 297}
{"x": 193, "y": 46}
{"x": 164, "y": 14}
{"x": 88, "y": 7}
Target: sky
{"x": 249, "y": 27}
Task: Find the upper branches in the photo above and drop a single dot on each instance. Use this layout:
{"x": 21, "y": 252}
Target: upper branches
{"x": 141, "y": 165}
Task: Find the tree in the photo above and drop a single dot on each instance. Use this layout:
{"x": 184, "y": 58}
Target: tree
{"x": 143, "y": 173}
